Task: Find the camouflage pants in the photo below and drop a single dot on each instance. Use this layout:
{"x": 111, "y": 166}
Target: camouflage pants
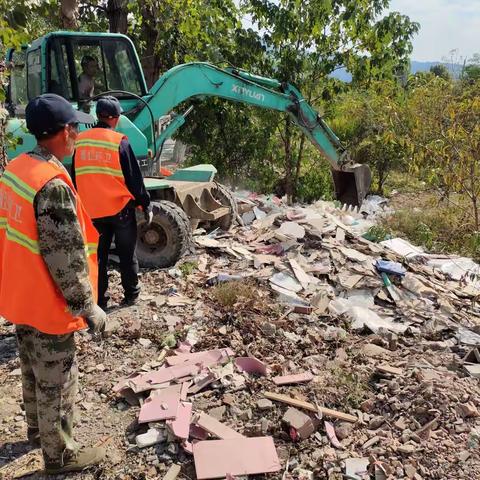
{"x": 50, "y": 384}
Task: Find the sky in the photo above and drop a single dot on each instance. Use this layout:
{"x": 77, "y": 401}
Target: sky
{"x": 444, "y": 25}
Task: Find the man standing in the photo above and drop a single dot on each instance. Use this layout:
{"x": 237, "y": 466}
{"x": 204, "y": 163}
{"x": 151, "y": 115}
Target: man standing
{"x": 48, "y": 279}
{"x": 110, "y": 184}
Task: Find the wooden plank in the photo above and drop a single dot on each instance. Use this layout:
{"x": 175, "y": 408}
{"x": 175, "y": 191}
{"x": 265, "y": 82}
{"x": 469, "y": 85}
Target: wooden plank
{"x": 278, "y": 397}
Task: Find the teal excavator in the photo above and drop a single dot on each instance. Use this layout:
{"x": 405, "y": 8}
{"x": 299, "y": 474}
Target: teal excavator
{"x": 81, "y": 66}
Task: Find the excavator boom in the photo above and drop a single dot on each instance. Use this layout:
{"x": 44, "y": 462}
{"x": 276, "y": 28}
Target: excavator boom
{"x": 194, "y": 80}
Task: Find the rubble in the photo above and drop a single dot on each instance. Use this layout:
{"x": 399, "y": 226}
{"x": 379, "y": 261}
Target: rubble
{"x": 288, "y": 313}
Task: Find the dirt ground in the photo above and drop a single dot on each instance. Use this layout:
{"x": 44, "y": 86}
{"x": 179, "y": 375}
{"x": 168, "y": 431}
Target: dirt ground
{"x": 414, "y": 424}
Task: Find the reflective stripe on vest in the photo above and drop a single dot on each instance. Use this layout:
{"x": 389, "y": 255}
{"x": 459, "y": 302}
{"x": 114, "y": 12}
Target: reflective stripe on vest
{"x": 28, "y": 293}
{"x": 98, "y": 173}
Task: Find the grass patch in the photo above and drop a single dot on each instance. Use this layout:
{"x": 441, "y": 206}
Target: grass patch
{"x": 228, "y": 294}
{"x": 352, "y": 387}
{"x": 402, "y": 182}
{"x": 439, "y": 226}
{"x": 187, "y": 268}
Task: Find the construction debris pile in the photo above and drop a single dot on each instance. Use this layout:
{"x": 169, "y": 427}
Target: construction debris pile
{"x": 294, "y": 346}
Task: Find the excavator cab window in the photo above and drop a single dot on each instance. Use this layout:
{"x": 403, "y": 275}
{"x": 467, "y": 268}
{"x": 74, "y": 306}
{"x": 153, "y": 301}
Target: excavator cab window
{"x": 84, "y": 66}
{"x": 17, "y": 82}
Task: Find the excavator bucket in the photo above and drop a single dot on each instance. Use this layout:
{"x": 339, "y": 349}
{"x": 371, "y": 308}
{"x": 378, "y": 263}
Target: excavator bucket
{"x": 352, "y": 185}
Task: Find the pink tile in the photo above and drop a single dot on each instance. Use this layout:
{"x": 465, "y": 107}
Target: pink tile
{"x": 183, "y": 347}
{"x": 201, "y": 383}
{"x": 168, "y": 374}
{"x": 241, "y": 456}
{"x": 213, "y": 426}
{"x": 206, "y": 358}
{"x": 332, "y": 436}
{"x": 184, "y": 390}
{"x": 161, "y": 405}
{"x": 123, "y": 383}
{"x": 251, "y": 365}
{"x": 180, "y": 426}
{"x": 296, "y": 378}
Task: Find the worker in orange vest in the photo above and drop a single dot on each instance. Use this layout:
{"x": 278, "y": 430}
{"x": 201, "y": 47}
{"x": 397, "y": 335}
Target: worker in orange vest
{"x": 110, "y": 183}
{"x": 48, "y": 276}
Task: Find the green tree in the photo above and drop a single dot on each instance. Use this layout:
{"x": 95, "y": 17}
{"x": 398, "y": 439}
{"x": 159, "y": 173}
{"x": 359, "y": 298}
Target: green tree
{"x": 441, "y": 71}
{"x": 306, "y": 41}
{"x": 446, "y": 135}
{"x": 471, "y": 72}
{"x": 374, "y": 123}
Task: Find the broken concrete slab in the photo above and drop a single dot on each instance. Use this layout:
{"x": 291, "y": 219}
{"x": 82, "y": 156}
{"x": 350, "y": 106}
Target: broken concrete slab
{"x": 303, "y": 424}
{"x": 292, "y": 379}
{"x": 389, "y": 370}
{"x": 473, "y": 370}
{"x": 151, "y": 437}
{"x": 286, "y": 281}
{"x": 172, "y": 472}
{"x": 292, "y": 230}
{"x": 264, "y": 404}
{"x": 357, "y": 468}
{"x": 242, "y": 456}
{"x": 214, "y": 427}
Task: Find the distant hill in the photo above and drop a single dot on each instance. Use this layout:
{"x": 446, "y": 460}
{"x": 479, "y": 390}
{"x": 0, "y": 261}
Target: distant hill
{"x": 455, "y": 69}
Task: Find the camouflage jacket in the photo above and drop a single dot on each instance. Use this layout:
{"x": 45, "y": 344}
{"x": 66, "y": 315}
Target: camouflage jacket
{"x": 60, "y": 240}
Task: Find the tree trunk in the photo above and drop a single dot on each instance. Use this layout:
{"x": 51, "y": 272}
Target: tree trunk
{"x": 150, "y": 59}
{"x": 69, "y": 14}
{"x": 287, "y": 141}
{"x": 117, "y": 12}
{"x": 298, "y": 166}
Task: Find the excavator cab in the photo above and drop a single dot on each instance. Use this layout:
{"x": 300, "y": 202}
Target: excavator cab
{"x": 76, "y": 66}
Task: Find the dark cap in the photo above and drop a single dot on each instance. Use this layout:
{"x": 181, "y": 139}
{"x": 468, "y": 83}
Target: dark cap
{"x": 49, "y": 113}
{"x": 108, "y": 106}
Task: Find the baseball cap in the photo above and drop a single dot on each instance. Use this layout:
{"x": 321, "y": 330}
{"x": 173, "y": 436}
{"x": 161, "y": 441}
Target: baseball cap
{"x": 108, "y": 106}
{"x": 49, "y": 113}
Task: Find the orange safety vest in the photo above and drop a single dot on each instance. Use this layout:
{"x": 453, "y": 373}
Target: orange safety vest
{"x": 28, "y": 293}
{"x": 99, "y": 177}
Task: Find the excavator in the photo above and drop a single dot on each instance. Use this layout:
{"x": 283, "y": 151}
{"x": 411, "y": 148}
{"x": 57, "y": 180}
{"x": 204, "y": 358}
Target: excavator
{"x": 63, "y": 62}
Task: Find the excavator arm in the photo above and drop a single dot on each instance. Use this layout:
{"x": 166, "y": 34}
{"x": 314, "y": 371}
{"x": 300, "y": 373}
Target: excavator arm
{"x": 197, "y": 80}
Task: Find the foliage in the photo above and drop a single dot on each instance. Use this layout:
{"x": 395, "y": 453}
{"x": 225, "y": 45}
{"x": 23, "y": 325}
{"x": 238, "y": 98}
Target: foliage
{"x": 374, "y": 124}
{"x": 299, "y": 42}
{"x": 446, "y": 134}
{"x": 187, "y": 268}
{"x": 442, "y": 226}
{"x": 306, "y": 41}
{"x": 440, "y": 71}
{"x": 471, "y": 72}
{"x": 229, "y": 294}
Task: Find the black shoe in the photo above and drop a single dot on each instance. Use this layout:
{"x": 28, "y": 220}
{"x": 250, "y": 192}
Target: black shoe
{"x": 129, "y": 301}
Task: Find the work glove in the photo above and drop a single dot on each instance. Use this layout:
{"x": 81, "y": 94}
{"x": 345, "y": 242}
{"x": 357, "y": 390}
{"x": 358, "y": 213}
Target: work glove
{"x": 147, "y": 212}
{"x": 96, "y": 321}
